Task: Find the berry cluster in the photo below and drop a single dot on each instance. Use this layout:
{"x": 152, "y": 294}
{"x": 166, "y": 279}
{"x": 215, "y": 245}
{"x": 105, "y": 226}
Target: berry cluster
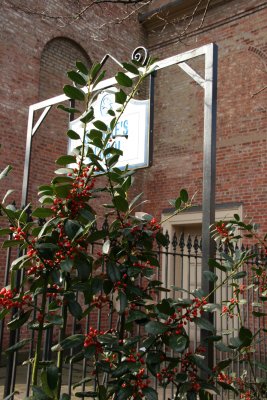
{"x": 222, "y": 377}
{"x": 10, "y": 298}
{"x": 100, "y": 301}
{"x": 91, "y": 340}
{"x": 246, "y": 396}
{"x": 222, "y": 230}
{"x": 78, "y": 195}
{"x": 191, "y": 369}
{"x": 194, "y": 311}
{"x": 18, "y": 233}
{"x": 138, "y": 383}
{"x": 229, "y": 309}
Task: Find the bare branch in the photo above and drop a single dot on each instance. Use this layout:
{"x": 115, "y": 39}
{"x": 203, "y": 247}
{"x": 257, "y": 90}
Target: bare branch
{"x": 259, "y": 91}
{"x": 130, "y": 8}
{"x": 204, "y": 14}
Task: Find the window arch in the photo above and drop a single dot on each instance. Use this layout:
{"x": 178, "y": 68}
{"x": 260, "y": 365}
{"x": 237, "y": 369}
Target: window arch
{"x": 58, "y": 56}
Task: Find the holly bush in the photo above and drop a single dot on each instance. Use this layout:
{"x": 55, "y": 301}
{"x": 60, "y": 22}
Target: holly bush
{"x": 60, "y": 275}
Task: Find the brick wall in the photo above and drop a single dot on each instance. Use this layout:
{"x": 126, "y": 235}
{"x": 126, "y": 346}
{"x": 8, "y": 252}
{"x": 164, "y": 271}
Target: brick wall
{"x": 239, "y": 29}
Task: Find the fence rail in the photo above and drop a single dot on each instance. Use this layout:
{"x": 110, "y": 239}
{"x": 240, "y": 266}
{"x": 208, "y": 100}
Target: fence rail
{"x": 180, "y": 262}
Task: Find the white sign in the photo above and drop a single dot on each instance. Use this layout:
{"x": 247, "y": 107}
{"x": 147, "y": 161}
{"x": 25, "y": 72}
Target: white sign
{"x": 131, "y": 134}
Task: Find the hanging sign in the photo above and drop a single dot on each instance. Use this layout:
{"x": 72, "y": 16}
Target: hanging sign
{"x": 131, "y": 133}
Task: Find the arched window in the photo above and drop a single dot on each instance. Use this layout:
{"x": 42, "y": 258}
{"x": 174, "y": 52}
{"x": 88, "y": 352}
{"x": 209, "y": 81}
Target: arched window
{"x": 58, "y": 56}
{"x": 50, "y": 141}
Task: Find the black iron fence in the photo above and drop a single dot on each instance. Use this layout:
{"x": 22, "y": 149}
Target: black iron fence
{"x": 181, "y": 273}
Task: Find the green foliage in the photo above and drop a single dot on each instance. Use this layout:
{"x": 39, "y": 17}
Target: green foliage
{"x": 72, "y": 267}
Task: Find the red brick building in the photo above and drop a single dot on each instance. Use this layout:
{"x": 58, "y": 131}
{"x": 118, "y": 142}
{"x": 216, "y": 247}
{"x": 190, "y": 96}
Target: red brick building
{"x": 36, "y": 49}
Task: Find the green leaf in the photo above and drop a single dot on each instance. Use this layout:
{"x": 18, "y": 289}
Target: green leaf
{"x": 120, "y": 97}
{"x": 131, "y": 68}
{"x": 86, "y": 394}
{"x": 18, "y": 346}
{"x": 66, "y": 265}
{"x": 245, "y": 335}
{"x": 82, "y": 68}
{"x": 62, "y": 179}
{"x": 69, "y": 343}
{"x": 52, "y": 377}
{"x": 214, "y": 264}
{"x": 111, "y": 112}
{"x": 100, "y": 125}
{"x": 123, "y": 79}
{"x": 5, "y": 172}
{"x": 76, "y": 77}
{"x": 155, "y": 328}
{"x": 42, "y": 212}
{"x": 161, "y": 239}
{"x": 226, "y": 386}
{"x": 62, "y": 190}
{"x": 236, "y": 217}
{"x": 3, "y": 313}
{"x": 222, "y": 347}
{"x": 46, "y": 246}
{"x": 136, "y": 315}
{"x": 84, "y": 266}
{"x": 73, "y": 135}
{"x": 123, "y": 302}
{"x": 177, "y": 203}
{"x": 64, "y": 160}
{"x": 223, "y": 364}
{"x": 95, "y": 69}
{"x": 121, "y": 370}
{"x": 39, "y": 393}
{"x": 165, "y": 308}
{"x": 102, "y": 392}
{"x": 184, "y": 195}
{"x": 204, "y": 324}
{"x": 69, "y": 110}
{"x": 258, "y": 314}
{"x": 45, "y": 386}
{"x": 178, "y": 343}
{"x": 99, "y": 78}
{"x": 65, "y": 396}
{"x": 199, "y": 361}
{"x": 73, "y": 92}
{"x": 125, "y": 393}
{"x": 75, "y": 309}
{"x": 120, "y": 203}
{"x": 98, "y": 235}
{"x": 19, "y": 262}
{"x": 88, "y": 116}
{"x": 210, "y": 276}
{"x": 5, "y": 231}
{"x": 150, "y": 393}
{"x": 113, "y": 272}
{"x": 72, "y": 228}
{"x": 12, "y": 243}
{"x": 239, "y": 275}
{"x": 235, "y": 342}
{"x": 19, "y": 321}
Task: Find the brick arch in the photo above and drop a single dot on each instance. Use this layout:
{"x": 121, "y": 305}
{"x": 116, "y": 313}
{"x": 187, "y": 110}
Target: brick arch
{"x": 58, "y": 56}
{"x": 50, "y": 141}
